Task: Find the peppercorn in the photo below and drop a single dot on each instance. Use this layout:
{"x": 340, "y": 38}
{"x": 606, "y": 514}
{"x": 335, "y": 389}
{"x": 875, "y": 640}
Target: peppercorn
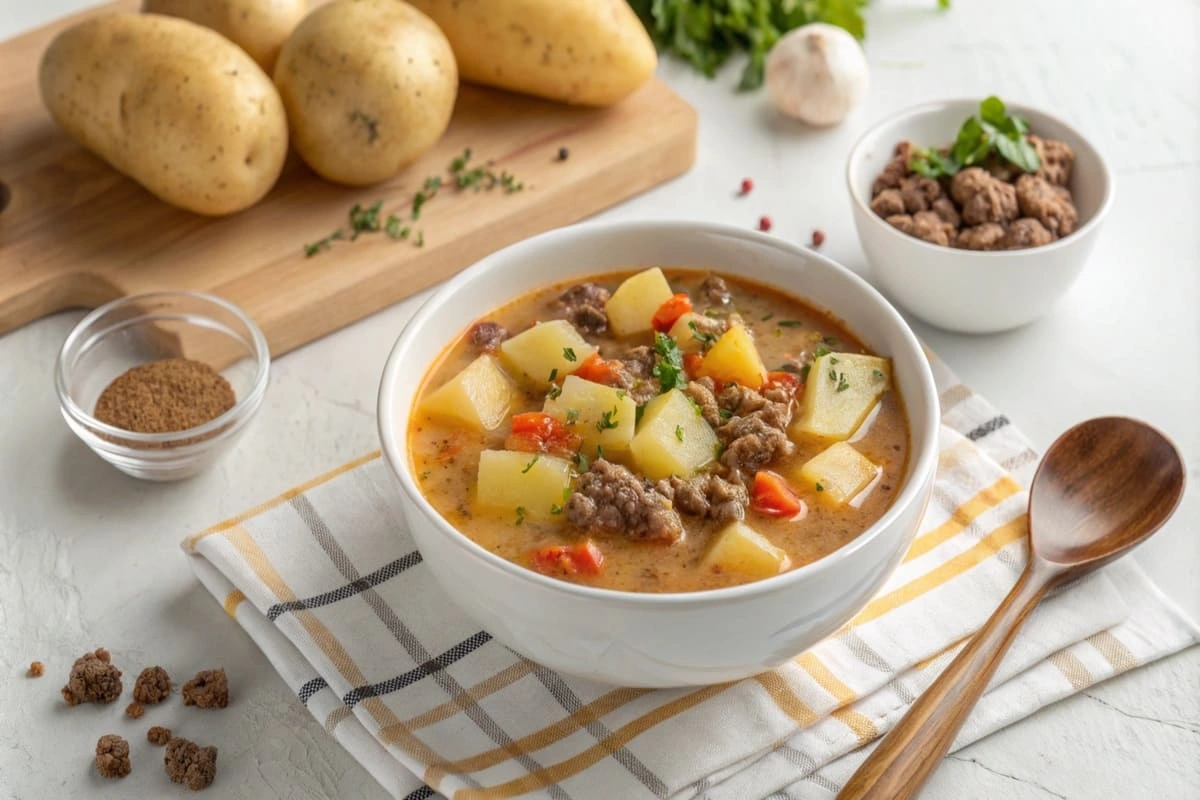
{"x": 563, "y": 154}
{"x": 747, "y": 186}
{"x": 764, "y": 223}
{"x": 818, "y": 237}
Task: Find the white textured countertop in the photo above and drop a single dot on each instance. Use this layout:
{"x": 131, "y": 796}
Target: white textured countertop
{"x": 90, "y": 557}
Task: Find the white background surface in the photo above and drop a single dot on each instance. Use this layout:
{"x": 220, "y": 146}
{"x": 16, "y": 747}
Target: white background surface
{"x": 89, "y": 557}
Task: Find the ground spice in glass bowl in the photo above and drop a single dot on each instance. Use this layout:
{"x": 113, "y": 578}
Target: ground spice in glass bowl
{"x": 160, "y": 384}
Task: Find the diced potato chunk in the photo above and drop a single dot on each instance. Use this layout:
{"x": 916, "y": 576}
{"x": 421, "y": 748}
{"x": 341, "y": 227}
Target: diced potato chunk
{"x": 683, "y": 334}
{"x": 479, "y": 397}
{"x": 631, "y": 308}
{"x": 842, "y": 389}
{"x": 672, "y": 438}
{"x": 837, "y": 473}
{"x": 734, "y": 358}
{"x": 537, "y": 484}
{"x": 741, "y": 549}
{"x": 548, "y": 346}
{"x": 601, "y": 415}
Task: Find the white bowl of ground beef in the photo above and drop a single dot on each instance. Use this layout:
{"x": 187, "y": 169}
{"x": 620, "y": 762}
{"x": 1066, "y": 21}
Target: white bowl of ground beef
{"x": 659, "y": 639}
{"x": 993, "y": 275}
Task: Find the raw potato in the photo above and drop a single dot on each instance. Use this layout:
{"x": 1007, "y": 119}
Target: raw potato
{"x": 369, "y": 86}
{"x": 734, "y": 358}
{"x": 672, "y": 438}
{"x": 479, "y": 397}
{"x": 631, "y": 307}
{"x": 173, "y": 105}
{"x": 259, "y": 27}
{"x": 842, "y": 389}
{"x": 740, "y": 548}
{"x": 590, "y": 52}
{"x": 601, "y": 415}
{"x": 537, "y": 483}
{"x": 552, "y": 346}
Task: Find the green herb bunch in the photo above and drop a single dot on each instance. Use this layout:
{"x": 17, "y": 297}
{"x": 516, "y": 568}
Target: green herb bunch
{"x": 707, "y": 32}
{"x": 993, "y": 129}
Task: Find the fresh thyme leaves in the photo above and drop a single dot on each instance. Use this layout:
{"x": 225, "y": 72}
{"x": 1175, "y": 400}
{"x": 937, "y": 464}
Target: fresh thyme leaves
{"x": 311, "y": 250}
{"x": 668, "y": 368}
{"x": 992, "y": 129}
{"x": 461, "y": 176}
{"x": 529, "y": 466}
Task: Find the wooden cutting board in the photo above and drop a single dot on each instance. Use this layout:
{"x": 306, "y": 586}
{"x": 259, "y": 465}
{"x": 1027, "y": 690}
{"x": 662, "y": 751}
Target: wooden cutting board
{"x": 75, "y": 233}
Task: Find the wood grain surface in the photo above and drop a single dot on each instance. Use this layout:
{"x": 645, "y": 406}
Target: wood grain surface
{"x": 75, "y": 233}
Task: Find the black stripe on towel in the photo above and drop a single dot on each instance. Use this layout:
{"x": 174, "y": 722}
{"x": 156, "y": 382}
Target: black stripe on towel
{"x": 993, "y": 424}
{"x": 384, "y": 573}
{"x": 309, "y": 689}
{"x": 437, "y": 664}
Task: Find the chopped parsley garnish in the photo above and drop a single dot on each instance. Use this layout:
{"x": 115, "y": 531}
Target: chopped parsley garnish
{"x": 833, "y": 360}
{"x": 695, "y": 406}
{"x": 821, "y": 350}
{"x": 622, "y": 394}
{"x": 804, "y": 371}
{"x": 877, "y": 373}
{"x": 569, "y": 353}
{"x": 789, "y": 323}
{"x": 555, "y": 508}
{"x": 842, "y": 384}
{"x": 767, "y": 317}
{"x": 679, "y": 432}
{"x": 529, "y": 466}
{"x": 572, "y": 416}
{"x": 425, "y": 475}
{"x": 992, "y": 129}
{"x": 833, "y": 375}
{"x": 599, "y": 451}
{"x": 607, "y": 420}
{"x": 820, "y": 488}
{"x": 520, "y": 515}
{"x": 553, "y": 375}
{"x": 555, "y": 391}
{"x": 581, "y": 461}
{"x": 725, "y": 413}
{"x": 701, "y": 336}
{"x": 669, "y": 366}
{"x": 832, "y": 341}
{"x": 420, "y": 240}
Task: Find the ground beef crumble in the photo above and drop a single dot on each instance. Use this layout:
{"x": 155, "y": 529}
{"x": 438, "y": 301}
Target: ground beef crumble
{"x": 612, "y": 500}
{"x": 707, "y": 496}
{"x": 158, "y": 735}
{"x": 487, "y": 335}
{"x": 93, "y": 679}
{"x": 112, "y": 756}
{"x": 36, "y": 669}
{"x": 153, "y": 685}
{"x": 993, "y": 206}
{"x": 583, "y": 306}
{"x": 188, "y": 763}
{"x": 716, "y": 290}
{"x": 208, "y": 689}
{"x": 135, "y": 710}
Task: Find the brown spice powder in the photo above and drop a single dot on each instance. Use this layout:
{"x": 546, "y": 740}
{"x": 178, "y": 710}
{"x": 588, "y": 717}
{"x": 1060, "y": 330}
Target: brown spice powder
{"x": 164, "y": 396}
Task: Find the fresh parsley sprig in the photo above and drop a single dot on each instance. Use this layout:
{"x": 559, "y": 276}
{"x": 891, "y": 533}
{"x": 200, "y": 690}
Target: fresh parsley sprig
{"x": 993, "y": 129}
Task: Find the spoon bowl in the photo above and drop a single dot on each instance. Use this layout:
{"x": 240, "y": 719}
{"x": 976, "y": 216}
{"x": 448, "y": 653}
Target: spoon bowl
{"x": 1103, "y": 487}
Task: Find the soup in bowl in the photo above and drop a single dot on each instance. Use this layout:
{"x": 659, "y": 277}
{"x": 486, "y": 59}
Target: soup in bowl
{"x": 659, "y": 454}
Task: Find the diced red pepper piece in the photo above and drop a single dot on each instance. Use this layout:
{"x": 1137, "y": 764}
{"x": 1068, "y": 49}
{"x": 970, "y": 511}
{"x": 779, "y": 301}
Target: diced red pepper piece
{"x": 788, "y": 381}
{"x": 597, "y": 370}
{"x": 584, "y": 558}
{"x": 772, "y": 496}
{"x": 535, "y": 432}
{"x": 670, "y": 311}
{"x": 691, "y": 364}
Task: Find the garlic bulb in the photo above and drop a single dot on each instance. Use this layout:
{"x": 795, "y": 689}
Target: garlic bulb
{"x": 816, "y": 73}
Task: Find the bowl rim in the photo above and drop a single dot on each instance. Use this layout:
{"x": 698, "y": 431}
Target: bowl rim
{"x": 128, "y": 440}
{"x": 931, "y": 107}
{"x": 923, "y": 453}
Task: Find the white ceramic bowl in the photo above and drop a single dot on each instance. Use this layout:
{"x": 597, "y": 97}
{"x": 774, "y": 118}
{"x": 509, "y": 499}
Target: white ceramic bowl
{"x": 965, "y": 290}
{"x": 636, "y": 639}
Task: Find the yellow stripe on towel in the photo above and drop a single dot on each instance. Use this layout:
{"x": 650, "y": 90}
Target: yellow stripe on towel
{"x": 962, "y": 517}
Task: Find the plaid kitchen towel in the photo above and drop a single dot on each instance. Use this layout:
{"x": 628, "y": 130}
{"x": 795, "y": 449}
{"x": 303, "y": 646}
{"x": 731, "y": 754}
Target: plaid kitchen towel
{"x": 329, "y": 584}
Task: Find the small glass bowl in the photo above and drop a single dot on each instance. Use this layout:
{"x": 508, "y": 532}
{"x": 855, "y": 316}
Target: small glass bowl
{"x": 135, "y": 330}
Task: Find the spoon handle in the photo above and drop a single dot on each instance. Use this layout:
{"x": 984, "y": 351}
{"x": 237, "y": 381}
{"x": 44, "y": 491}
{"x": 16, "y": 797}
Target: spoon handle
{"x": 909, "y": 754}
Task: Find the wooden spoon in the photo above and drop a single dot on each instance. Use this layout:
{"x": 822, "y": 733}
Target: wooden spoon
{"x": 1104, "y": 486}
